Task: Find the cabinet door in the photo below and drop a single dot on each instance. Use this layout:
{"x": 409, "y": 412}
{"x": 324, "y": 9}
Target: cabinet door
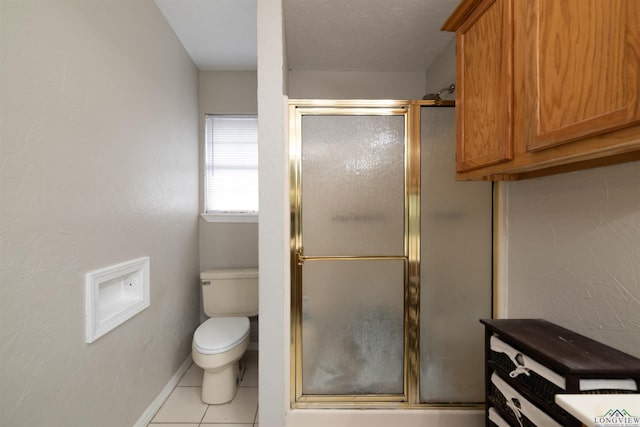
{"x": 579, "y": 68}
{"x": 484, "y": 83}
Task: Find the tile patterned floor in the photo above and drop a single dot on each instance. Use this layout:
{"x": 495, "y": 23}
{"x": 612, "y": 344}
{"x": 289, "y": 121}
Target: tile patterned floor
{"x": 183, "y": 407}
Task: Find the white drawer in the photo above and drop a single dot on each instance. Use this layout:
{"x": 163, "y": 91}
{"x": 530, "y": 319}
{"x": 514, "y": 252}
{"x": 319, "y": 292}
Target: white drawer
{"x": 524, "y": 364}
{"x": 521, "y": 406}
{"x": 497, "y": 419}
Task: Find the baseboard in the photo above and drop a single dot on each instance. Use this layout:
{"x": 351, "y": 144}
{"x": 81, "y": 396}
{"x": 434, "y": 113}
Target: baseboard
{"x": 384, "y": 417}
{"x": 148, "y": 414}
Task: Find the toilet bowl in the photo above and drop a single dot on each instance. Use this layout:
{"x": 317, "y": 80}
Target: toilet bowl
{"x": 218, "y": 345}
{"x": 228, "y": 298}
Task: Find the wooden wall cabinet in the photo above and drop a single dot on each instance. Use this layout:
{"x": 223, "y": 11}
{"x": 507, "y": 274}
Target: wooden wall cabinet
{"x": 545, "y": 86}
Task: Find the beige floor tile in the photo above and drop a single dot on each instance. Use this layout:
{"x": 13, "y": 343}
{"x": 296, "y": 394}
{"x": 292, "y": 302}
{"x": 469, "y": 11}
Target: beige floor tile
{"x": 192, "y": 378}
{"x": 182, "y": 406}
{"x": 242, "y": 409}
{"x": 250, "y": 378}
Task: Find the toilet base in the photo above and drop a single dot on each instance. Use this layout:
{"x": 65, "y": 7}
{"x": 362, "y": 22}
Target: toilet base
{"x": 220, "y": 386}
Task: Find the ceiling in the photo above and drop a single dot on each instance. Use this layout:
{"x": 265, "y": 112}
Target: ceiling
{"x": 217, "y": 34}
{"x": 321, "y": 35}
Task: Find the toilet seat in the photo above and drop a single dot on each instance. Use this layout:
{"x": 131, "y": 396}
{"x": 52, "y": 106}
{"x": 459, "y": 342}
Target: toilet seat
{"x": 220, "y": 334}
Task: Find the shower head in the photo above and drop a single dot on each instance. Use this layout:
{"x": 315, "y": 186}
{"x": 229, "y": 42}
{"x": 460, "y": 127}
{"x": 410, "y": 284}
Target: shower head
{"x": 436, "y": 96}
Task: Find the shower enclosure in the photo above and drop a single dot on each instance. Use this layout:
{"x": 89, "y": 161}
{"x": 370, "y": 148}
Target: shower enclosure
{"x": 391, "y": 258}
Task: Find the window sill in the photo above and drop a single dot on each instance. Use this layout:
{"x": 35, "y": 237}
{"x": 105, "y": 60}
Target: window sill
{"x": 239, "y": 217}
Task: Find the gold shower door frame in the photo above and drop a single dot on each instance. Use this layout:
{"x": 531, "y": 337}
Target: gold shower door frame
{"x": 410, "y": 110}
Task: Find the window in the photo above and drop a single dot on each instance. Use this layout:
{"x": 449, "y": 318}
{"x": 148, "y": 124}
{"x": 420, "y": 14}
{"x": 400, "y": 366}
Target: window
{"x": 231, "y": 163}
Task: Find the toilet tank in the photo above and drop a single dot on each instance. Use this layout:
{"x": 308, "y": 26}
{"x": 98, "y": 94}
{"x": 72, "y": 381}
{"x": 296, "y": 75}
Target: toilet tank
{"x": 230, "y": 292}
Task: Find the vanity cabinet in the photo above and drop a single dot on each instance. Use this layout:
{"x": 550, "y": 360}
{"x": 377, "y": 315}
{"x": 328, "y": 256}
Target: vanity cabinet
{"x": 545, "y": 86}
{"x": 529, "y": 361}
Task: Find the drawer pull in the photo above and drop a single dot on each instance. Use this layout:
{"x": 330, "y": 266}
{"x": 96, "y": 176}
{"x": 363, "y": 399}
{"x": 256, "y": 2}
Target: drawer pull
{"x": 516, "y": 403}
{"x": 516, "y": 407}
{"x": 526, "y": 364}
{"x": 520, "y": 367}
{"x": 520, "y": 406}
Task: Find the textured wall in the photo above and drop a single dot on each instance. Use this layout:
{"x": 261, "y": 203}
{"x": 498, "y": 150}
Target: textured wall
{"x": 365, "y": 34}
{"x": 356, "y": 85}
{"x": 273, "y": 232}
{"x": 99, "y": 165}
{"x": 574, "y": 252}
{"x": 442, "y": 72}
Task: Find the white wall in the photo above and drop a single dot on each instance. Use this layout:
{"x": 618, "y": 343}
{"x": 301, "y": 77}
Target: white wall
{"x": 356, "y": 85}
{"x": 442, "y": 72}
{"x": 573, "y": 244}
{"x": 99, "y": 165}
{"x": 274, "y": 218}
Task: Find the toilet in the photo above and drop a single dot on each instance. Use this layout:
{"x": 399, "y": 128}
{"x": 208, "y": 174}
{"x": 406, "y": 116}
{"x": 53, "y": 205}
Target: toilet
{"x": 229, "y": 297}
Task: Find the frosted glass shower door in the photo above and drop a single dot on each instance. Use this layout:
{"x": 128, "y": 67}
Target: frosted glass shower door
{"x": 352, "y": 327}
{"x": 455, "y": 266}
{"x": 352, "y": 257}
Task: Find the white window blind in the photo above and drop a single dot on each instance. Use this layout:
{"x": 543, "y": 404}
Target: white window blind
{"x": 231, "y": 164}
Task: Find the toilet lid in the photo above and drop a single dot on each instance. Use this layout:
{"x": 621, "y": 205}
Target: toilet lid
{"x": 220, "y": 334}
